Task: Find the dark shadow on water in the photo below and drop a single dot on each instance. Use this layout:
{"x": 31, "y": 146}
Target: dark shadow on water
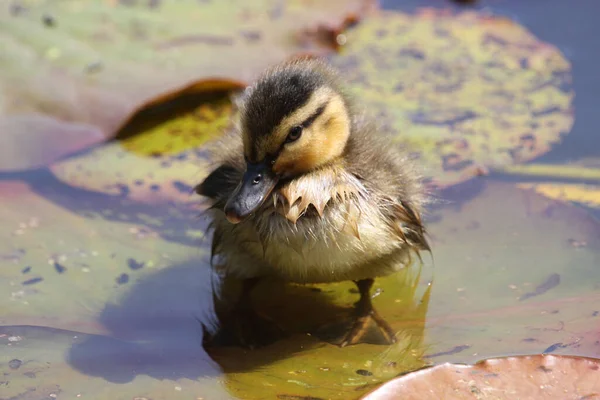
{"x": 154, "y": 330}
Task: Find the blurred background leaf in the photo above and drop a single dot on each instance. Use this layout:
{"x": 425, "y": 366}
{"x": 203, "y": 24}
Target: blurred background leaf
{"x": 85, "y": 67}
{"x": 461, "y": 91}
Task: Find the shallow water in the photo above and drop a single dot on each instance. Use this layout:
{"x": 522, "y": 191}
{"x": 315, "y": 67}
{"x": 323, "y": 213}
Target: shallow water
{"x": 102, "y": 293}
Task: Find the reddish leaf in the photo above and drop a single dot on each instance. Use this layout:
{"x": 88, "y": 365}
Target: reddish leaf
{"x": 525, "y": 377}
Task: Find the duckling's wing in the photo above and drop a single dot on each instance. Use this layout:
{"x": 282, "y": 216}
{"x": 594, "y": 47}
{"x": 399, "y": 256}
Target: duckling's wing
{"x": 392, "y": 179}
{"x": 228, "y": 167}
{"x": 218, "y": 183}
{"x": 408, "y": 224}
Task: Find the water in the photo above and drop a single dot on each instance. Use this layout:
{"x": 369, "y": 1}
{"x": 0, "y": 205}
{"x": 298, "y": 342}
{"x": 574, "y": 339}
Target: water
{"x": 105, "y": 275}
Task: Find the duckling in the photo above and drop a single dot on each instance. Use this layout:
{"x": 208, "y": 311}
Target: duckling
{"x": 306, "y": 189}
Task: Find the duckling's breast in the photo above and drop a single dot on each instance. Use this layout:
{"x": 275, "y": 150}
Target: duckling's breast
{"x": 320, "y": 228}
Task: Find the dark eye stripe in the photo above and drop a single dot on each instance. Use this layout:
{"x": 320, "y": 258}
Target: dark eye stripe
{"x": 308, "y": 122}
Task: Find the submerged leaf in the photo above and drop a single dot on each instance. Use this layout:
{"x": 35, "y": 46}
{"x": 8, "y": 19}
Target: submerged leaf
{"x": 526, "y": 377}
{"x": 98, "y": 61}
{"x": 307, "y": 363}
{"x": 461, "y": 92}
{"x": 588, "y": 195}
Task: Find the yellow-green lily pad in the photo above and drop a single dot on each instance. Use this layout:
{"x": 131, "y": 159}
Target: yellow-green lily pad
{"x": 462, "y": 92}
{"x": 158, "y": 158}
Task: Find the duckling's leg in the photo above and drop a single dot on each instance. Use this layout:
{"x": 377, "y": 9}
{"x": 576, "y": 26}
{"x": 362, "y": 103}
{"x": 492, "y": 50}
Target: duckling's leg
{"x": 244, "y": 326}
{"x": 365, "y": 313}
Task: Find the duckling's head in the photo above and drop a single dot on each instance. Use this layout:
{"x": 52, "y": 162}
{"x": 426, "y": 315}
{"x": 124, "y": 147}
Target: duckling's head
{"x": 293, "y": 120}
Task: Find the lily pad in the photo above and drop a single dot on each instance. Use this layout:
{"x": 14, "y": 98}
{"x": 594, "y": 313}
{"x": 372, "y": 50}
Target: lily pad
{"x": 158, "y": 158}
{"x": 113, "y": 170}
{"x": 132, "y": 298}
{"x": 462, "y": 92}
{"x": 526, "y": 377}
{"x": 64, "y": 278}
{"x": 85, "y": 67}
{"x": 449, "y": 103}
{"x": 33, "y": 367}
{"x": 587, "y": 195}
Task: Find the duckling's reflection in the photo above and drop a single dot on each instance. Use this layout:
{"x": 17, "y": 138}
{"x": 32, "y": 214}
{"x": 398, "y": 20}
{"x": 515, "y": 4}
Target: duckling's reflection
{"x": 315, "y": 317}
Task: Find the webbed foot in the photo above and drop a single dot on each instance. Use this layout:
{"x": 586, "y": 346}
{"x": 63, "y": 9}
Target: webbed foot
{"x": 364, "y": 315}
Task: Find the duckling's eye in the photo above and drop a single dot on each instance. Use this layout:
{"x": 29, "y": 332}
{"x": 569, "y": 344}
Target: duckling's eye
{"x": 295, "y": 133}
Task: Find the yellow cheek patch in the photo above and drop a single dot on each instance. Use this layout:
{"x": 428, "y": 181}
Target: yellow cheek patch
{"x": 320, "y": 144}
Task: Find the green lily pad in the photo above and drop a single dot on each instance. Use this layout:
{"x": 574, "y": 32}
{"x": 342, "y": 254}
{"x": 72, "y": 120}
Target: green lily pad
{"x": 81, "y": 69}
{"x": 60, "y": 268}
{"x": 185, "y": 131}
{"x": 462, "y": 92}
{"x": 158, "y": 157}
{"x": 113, "y": 170}
{"x": 34, "y": 366}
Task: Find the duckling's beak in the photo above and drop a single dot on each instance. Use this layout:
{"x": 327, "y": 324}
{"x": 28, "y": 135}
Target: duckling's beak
{"x": 256, "y": 185}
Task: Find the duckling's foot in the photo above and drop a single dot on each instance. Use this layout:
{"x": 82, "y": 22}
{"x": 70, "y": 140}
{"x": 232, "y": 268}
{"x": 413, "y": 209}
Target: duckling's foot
{"x": 364, "y": 314}
{"x": 245, "y": 327}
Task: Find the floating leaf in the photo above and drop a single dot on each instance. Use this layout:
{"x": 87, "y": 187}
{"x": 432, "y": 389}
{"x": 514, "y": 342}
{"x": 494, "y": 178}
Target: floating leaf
{"x": 111, "y": 169}
{"x": 514, "y": 275}
{"x": 60, "y": 268}
{"x": 572, "y": 171}
{"x": 33, "y": 367}
{"x": 525, "y": 377}
{"x": 461, "y": 92}
{"x": 456, "y": 130}
{"x": 182, "y": 132}
{"x": 85, "y": 67}
{"x": 486, "y": 298}
{"x": 588, "y": 195}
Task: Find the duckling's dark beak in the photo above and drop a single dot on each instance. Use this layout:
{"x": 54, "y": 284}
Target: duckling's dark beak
{"x": 256, "y": 185}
